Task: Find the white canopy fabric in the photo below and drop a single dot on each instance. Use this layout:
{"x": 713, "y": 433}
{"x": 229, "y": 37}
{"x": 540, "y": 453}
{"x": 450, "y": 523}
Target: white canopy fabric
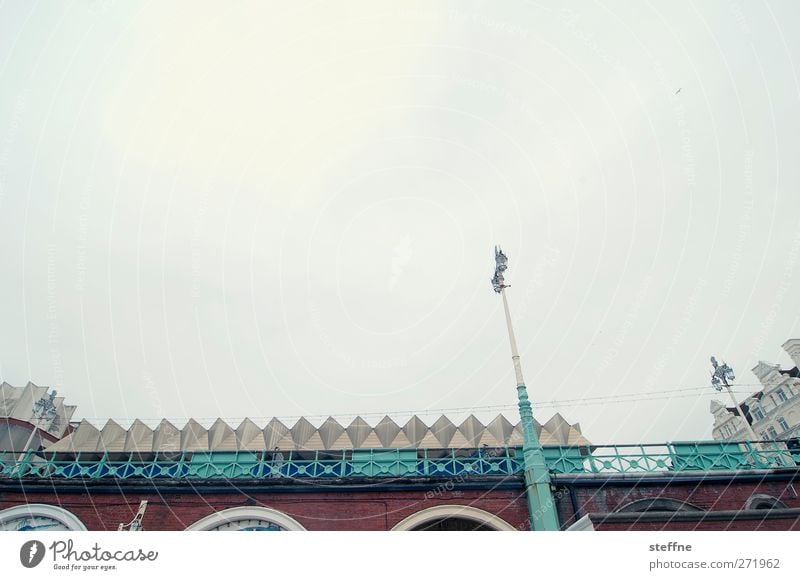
{"x": 303, "y": 435}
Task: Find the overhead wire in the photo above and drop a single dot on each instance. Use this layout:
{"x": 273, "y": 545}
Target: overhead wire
{"x": 677, "y": 393}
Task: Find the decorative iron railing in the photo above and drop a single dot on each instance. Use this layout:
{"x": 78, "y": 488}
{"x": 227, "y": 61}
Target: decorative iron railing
{"x": 264, "y": 464}
{"x": 609, "y": 459}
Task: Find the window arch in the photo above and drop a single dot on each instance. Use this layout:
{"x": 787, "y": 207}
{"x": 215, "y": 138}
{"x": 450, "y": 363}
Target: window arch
{"x": 439, "y": 517}
{"x": 247, "y": 518}
{"x": 760, "y": 501}
{"x": 39, "y": 516}
{"x": 660, "y": 504}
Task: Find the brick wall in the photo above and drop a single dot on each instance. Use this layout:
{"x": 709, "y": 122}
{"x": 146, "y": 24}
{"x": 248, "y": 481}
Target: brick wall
{"x": 175, "y": 508}
{"x": 354, "y": 510}
{"x": 705, "y": 495}
{"x": 767, "y": 524}
{"x": 608, "y": 497}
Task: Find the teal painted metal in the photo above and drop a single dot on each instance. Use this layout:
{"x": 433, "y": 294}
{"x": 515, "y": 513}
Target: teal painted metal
{"x": 565, "y": 459}
{"x": 542, "y": 513}
{"x": 503, "y": 461}
{"x": 705, "y": 456}
{"x": 671, "y": 457}
{"x": 541, "y": 505}
{"x": 376, "y": 463}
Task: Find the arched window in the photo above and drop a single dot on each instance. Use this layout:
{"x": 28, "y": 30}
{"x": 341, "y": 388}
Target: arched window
{"x": 247, "y": 518}
{"x": 658, "y": 505}
{"x": 39, "y": 517}
{"x": 760, "y": 501}
{"x": 453, "y": 517}
{"x": 452, "y": 524}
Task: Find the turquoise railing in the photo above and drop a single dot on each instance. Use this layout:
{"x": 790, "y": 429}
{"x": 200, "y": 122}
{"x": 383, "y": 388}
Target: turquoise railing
{"x": 264, "y": 464}
{"x": 669, "y": 457}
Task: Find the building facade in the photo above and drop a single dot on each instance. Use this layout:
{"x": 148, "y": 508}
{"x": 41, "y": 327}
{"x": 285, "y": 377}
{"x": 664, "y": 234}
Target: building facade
{"x": 773, "y": 412}
{"x": 393, "y": 475}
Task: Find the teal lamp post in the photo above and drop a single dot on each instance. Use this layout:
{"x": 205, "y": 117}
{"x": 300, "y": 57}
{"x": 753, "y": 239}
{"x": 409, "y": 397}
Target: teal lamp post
{"x": 541, "y": 507}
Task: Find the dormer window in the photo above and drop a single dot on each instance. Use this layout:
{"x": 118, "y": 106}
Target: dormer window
{"x": 781, "y": 395}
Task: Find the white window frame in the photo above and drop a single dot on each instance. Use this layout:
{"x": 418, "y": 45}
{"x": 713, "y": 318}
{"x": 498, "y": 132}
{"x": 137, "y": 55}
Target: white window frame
{"x": 52, "y": 512}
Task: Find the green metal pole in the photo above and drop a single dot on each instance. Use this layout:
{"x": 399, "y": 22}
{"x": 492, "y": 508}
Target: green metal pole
{"x": 541, "y": 506}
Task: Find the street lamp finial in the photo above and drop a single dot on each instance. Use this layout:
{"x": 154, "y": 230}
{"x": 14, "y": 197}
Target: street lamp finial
{"x": 501, "y": 265}
{"x": 722, "y": 375}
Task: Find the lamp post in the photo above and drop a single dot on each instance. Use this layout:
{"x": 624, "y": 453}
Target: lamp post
{"x": 541, "y": 507}
{"x": 44, "y": 408}
{"x": 721, "y": 377}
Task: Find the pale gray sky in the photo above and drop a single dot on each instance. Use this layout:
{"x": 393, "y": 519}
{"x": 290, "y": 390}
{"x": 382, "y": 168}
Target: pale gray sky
{"x": 234, "y": 209}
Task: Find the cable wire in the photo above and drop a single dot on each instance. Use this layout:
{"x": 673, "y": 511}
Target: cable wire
{"x": 678, "y": 393}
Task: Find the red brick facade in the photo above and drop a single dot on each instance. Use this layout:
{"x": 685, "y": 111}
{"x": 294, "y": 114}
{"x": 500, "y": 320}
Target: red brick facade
{"x": 351, "y": 510}
{"x": 766, "y": 522}
{"x": 712, "y": 502}
{"x": 704, "y": 501}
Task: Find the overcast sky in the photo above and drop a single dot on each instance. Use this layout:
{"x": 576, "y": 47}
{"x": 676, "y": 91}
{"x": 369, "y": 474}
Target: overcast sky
{"x": 236, "y": 209}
